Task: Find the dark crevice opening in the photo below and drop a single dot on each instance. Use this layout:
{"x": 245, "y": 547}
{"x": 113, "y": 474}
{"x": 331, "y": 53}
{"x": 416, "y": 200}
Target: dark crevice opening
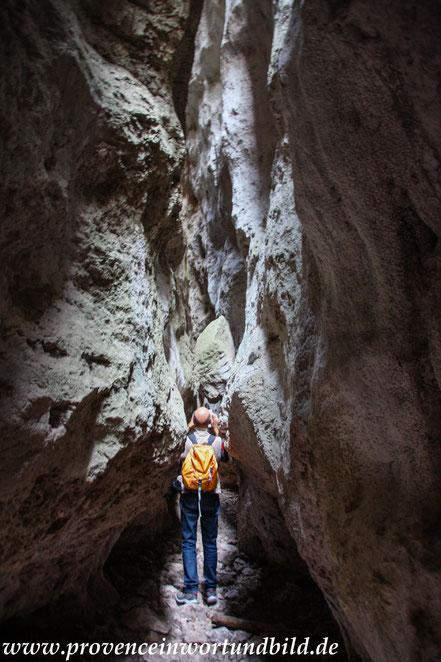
{"x": 183, "y": 61}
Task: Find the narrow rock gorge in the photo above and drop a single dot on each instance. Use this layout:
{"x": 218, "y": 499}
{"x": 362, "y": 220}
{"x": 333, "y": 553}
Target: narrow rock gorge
{"x": 236, "y": 203}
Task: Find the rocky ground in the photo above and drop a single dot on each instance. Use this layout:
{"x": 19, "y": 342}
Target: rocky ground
{"x": 146, "y": 610}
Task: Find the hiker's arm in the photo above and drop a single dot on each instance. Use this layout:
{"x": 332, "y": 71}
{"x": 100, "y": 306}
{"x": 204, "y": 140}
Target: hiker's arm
{"x": 215, "y": 424}
{"x": 182, "y": 457}
{"x": 184, "y": 453}
{"x": 176, "y": 485}
{"x": 190, "y": 424}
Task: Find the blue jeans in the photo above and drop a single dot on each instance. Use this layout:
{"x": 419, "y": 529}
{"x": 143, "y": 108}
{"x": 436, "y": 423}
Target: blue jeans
{"x": 210, "y": 507}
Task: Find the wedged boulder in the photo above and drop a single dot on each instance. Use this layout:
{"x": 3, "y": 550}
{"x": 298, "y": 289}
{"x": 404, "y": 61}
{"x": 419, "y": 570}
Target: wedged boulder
{"x": 214, "y": 353}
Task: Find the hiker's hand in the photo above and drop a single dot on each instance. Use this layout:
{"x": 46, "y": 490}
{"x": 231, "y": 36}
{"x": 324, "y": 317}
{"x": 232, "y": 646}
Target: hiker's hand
{"x": 190, "y": 424}
{"x": 215, "y": 424}
{"x": 224, "y": 429}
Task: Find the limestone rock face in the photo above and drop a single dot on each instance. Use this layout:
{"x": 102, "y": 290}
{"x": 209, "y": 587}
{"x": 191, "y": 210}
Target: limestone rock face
{"x": 93, "y": 339}
{"x": 312, "y": 201}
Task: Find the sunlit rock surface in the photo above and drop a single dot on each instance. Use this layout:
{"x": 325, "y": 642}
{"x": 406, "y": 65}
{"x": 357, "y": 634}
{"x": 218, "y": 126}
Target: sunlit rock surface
{"x": 92, "y": 333}
{"x": 313, "y": 196}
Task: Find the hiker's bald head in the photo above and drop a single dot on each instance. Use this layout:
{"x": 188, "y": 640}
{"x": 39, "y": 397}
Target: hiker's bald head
{"x": 202, "y": 417}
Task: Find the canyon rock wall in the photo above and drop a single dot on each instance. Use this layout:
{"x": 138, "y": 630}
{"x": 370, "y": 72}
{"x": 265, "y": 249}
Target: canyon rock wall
{"x": 93, "y": 338}
{"x": 312, "y": 206}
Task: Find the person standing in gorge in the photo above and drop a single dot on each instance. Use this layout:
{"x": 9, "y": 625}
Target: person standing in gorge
{"x": 200, "y": 497}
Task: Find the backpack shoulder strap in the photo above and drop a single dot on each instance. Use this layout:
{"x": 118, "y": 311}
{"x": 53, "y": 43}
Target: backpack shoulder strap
{"x": 211, "y": 440}
{"x": 192, "y": 437}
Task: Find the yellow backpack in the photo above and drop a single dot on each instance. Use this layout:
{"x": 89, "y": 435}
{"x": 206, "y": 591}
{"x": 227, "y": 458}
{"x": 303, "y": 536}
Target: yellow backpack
{"x": 200, "y": 470}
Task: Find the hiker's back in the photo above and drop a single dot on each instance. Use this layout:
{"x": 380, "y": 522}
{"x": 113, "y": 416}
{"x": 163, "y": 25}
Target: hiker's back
{"x": 202, "y": 452}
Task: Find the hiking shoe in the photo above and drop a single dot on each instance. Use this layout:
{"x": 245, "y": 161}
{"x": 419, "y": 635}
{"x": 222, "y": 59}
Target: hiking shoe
{"x": 187, "y": 598}
{"x": 210, "y": 596}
